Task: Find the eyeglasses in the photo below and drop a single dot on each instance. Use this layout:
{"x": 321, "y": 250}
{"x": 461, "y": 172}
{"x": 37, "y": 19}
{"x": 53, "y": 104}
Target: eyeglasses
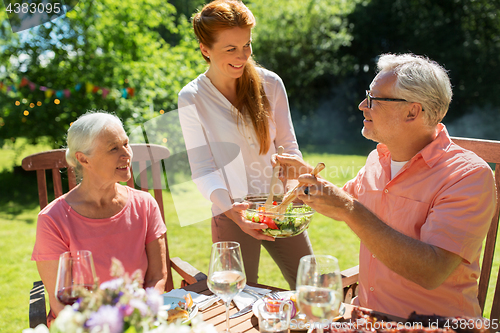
{"x": 369, "y": 99}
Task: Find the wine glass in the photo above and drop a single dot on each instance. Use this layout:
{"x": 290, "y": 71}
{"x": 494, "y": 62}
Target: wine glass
{"x": 75, "y": 273}
{"x": 226, "y": 275}
{"x": 319, "y": 289}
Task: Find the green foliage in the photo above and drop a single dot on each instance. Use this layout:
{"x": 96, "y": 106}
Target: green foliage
{"x": 108, "y": 44}
{"x": 325, "y": 51}
{"x": 462, "y": 35}
{"x": 184, "y": 11}
{"x": 300, "y": 41}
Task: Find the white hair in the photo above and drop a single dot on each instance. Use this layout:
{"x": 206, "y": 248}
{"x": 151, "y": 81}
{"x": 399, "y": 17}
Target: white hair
{"x": 83, "y": 132}
{"x": 419, "y": 79}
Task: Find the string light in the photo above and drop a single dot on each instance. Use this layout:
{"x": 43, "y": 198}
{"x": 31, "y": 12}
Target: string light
{"x": 162, "y": 111}
{"x": 56, "y": 101}
{"x": 26, "y": 112}
{"x": 39, "y": 103}
{"x": 18, "y": 103}
{"x": 164, "y": 140}
{"x": 32, "y": 105}
{"x": 25, "y": 101}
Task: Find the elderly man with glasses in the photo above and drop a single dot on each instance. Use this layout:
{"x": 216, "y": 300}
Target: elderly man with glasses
{"x": 421, "y": 205}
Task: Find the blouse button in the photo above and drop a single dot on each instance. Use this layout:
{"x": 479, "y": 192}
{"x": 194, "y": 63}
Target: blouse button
{"x": 372, "y": 289}
{"x": 386, "y": 191}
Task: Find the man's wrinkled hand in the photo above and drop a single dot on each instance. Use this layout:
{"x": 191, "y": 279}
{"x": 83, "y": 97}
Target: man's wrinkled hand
{"x": 325, "y": 197}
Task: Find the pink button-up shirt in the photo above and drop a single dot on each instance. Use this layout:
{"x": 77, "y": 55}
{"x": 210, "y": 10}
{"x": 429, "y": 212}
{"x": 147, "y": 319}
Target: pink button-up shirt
{"x": 444, "y": 196}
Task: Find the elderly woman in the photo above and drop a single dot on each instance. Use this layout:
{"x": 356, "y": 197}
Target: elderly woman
{"x": 99, "y": 214}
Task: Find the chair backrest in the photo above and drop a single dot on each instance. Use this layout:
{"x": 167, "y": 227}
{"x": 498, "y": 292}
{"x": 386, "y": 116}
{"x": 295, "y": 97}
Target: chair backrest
{"x": 490, "y": 152}
{"x": 146, "y": 171}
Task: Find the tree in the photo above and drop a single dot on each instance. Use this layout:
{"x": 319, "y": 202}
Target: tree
{"x": 462, "y": 35}
{"x": 105, "y": 43}
{"x": 300, "y": 40}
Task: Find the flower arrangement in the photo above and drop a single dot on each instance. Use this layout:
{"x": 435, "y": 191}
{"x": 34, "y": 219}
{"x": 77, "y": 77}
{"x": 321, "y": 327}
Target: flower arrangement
{"x": 120, "y": 305}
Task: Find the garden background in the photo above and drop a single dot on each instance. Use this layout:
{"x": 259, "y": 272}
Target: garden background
{"x": 133, "y": 56}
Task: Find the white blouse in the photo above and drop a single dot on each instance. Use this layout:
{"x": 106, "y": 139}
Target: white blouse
{"x": 224, "y": 154}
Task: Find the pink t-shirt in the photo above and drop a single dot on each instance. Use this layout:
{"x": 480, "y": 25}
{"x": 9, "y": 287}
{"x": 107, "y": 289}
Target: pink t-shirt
{"x": 123, "y": 236}
{"x": 444, "y": 196}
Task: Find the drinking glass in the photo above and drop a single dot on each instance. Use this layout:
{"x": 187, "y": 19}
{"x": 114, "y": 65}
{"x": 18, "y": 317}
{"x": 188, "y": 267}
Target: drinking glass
{"x": 319, "y": 289}
{"x": 226, "y": 275}
{"x": 275, "y": 318}
{"x": 75, "y": 273}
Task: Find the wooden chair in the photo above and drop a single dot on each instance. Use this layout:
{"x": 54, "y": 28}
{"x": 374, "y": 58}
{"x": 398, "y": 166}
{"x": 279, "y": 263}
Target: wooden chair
{"x": 490, "y": 152}
{"x": 146, "y": 163}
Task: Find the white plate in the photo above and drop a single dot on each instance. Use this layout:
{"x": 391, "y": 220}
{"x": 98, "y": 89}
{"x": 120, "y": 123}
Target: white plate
{"x": 173, "y": 302}
{"x": 299, "y": 318}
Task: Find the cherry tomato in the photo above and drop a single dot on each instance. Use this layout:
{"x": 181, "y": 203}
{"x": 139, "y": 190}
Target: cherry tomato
{"x": 272, "y": 305}
{"x": 270, "y": 223}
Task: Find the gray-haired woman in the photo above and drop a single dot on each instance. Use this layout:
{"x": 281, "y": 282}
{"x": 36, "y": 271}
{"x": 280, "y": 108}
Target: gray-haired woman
{"x": 99, "y": 214}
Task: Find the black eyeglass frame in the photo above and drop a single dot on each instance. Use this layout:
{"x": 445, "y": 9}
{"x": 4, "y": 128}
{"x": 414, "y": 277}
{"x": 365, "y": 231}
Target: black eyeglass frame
{"x": 370, "y": 98}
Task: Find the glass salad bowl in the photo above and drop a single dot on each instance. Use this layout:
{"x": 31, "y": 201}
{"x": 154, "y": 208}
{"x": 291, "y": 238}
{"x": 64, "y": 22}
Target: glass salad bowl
{"x": 292, "y": 222}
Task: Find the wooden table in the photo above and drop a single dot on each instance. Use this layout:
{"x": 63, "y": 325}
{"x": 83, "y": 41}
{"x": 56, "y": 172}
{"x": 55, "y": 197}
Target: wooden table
{"x": 216, "y": 314}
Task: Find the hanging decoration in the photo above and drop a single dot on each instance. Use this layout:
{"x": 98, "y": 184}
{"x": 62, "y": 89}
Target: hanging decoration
{"x": 64, "y": 92}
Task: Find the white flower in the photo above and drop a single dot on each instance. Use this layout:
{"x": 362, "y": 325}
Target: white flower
{"x": 39, "y": 329}
{"x": 112, "y": 284}
{"x": 199, "y": 326}
{"x": 139, "y": 292}
{"x": 139, "y": 305}
{"x": 154, "y": 299}
{"x": 204, "y": 328}
{"x": 69, "y": 321}
{"x": 171, "y": 328}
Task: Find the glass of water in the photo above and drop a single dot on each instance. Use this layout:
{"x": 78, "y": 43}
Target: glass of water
{"x": 226, "y": 275}
{"x": 319, "y": 289}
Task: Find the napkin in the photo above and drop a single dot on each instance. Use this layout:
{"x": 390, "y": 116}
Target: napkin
{"x": 203, "y": 301}
{"x": 244, "y": 299}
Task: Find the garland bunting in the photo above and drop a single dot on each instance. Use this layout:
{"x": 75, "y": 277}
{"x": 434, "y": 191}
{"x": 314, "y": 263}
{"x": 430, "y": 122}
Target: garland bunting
{"x": 63, "y": 93}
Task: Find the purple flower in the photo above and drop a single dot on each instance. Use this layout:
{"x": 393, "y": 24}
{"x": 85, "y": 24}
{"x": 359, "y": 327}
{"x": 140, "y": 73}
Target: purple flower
{"x": 139, "y": 305}
{"x": 76, "y": 305}
{"x": 126, "y": 310}
{"x": 154, "y": 299}
{"x": 117, "y": 298}
{"x": 109, "y": 316}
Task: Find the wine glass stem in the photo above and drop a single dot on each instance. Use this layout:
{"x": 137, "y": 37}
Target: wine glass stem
{"x": 227, "y": 317}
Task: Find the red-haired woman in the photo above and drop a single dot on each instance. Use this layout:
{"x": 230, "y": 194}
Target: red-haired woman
{"x": 233, "y": 118}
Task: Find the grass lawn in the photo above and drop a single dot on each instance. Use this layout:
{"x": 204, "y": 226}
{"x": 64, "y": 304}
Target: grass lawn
{"x": 19, "y": 208}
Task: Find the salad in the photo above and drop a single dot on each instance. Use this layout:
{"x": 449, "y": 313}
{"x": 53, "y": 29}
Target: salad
{"x": 294, "y": 221}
